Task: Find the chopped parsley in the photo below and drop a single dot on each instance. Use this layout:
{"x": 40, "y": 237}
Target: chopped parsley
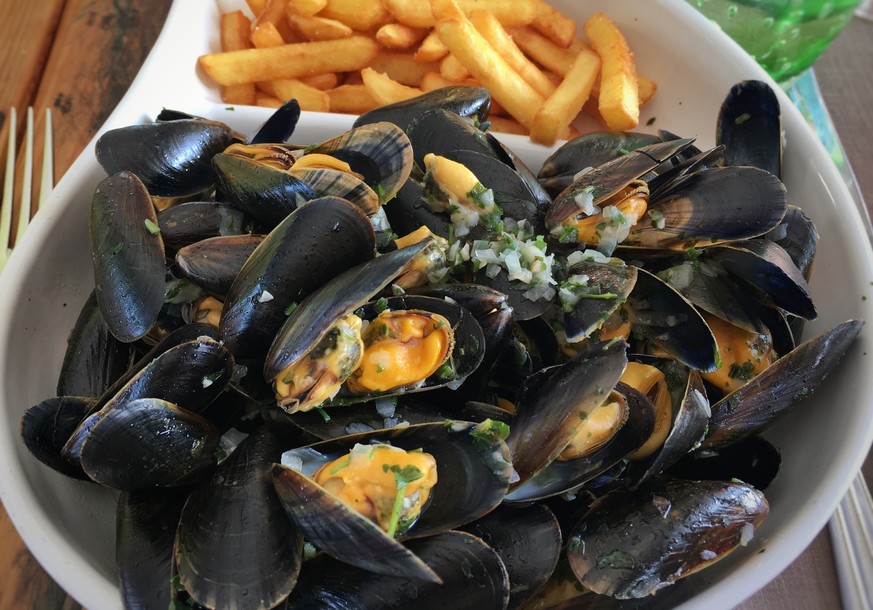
{"x": 151, "y": 226}
{"x": 290, "y": 309}
{"x": 487, "y": 433}
{"x": 381, "y": 305}
{"x": 743, "y": 372}
{"x": 402, "y": 477}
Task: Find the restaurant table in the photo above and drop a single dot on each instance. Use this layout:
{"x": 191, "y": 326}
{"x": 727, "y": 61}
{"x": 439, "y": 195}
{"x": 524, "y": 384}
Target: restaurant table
{"x": 78, "y": 58}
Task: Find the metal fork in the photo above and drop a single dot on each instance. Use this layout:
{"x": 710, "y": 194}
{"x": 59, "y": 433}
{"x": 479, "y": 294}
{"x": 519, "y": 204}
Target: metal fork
{"x": 26, "y": 187}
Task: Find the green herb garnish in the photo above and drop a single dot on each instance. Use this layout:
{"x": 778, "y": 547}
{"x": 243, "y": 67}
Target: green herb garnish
{"x": 402, "y": 477}
{"x": 487, "y": 433}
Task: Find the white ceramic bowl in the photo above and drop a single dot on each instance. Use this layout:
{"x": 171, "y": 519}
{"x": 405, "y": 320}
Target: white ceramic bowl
{"x": 69, "y": 525}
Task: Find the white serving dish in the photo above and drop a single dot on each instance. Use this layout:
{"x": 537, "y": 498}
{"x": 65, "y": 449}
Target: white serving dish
{"x": 69, "y": 525}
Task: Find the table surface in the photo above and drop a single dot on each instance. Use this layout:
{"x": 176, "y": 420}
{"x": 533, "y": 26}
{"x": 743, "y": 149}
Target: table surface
{"x": 78, "y": 57}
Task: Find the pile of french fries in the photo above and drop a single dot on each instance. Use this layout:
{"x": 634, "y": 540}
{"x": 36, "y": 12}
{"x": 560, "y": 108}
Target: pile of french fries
{"x": 351, "y": 56}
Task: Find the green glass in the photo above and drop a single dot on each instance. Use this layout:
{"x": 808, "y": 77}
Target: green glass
{"x": 784, "y": 36}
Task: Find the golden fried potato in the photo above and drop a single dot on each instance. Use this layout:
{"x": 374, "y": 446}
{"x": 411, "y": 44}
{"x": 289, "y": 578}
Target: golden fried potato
{"x": 619, "y": 101}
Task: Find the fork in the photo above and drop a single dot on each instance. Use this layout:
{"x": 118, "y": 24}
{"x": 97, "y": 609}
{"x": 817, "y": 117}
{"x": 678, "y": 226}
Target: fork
{"x": 26, "y": 187}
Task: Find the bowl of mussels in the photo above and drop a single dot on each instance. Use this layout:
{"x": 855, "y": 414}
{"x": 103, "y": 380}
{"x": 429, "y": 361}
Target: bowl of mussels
{"x": 262, "y": 359}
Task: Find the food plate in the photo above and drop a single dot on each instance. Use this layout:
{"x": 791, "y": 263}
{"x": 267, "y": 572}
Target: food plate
{"x": 69, "y": 525}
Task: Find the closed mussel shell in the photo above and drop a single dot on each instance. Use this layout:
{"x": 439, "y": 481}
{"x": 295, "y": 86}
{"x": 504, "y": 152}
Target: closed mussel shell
{"x": 46, "y": 427}
{"x": 471, "y": 572}
{"x": 214, "y": 263}
{"x": 148, "y": 442}
{"x": 192, "y": 221}
{"x": 173, "y": 158}
{"x": 473, "y": 474}
{"x": 461, "y": 100}
{"x": 309, "y": 247}
{"x": 128, "y": 256}
{"x": 234, "y": 546}
{"x": 687, "y": 525}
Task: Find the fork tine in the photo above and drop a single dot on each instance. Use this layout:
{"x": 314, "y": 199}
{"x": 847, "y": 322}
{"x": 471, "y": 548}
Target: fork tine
{"x": 27, "y": 179}
{"x": 9, "y": 180}
{"x": 46, "y": 183}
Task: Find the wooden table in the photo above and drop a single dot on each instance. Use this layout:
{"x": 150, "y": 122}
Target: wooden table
{"x": 78, "y": 57}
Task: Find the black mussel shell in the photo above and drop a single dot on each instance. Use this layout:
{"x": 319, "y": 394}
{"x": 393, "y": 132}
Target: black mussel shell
{"x": 145, "y": 528}
{"x": 192, "y": 221}
{"x": 749, "y": 126}
{"x": 172, "y": 158}
{"x": 328, "y": 182}
{"x": 471, "y": 573}
{"x": 312, "y": 245}
{"x": 128, "y": 256}
{"x": 441, "y": 132}
{"x": 589, "y": 314}
{"x": 279, "y": 126}
{"x": 753, "y": 461}
{"x": 686, "y": 525}
{"x": 746, "y": 411}
{"x": 214, "y": 263}
{"x": 797, "y": 235}
{"x": 234, "y": 546}
{"x": 408, "y": 211}
{"x": 94, "y": 358}
{"x": 147, "y": 443}
{"x": 463, "y": 101}
{"x": 47, "y": 426}
{"x": 528, "y": 540}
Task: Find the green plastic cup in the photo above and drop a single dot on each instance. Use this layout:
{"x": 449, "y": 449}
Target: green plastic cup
{"x": 784, "y": 36}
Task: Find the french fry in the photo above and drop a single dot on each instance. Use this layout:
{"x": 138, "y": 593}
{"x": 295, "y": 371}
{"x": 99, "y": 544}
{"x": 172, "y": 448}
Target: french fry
{"x": 619, "y": 101}
{"x": 351, "y": 99}
{"x": 431, "y": 81}
{"x": 359, "y": 15}
{"x": 267, "y": 101}
{"x": 542, "y": 50}
{"x": 267, "y": 35}
{"x": 235, "y": 28}
{"x": 290, "y": 61}
{"x": 306, "y": 7}
{"x": 484, "y": 63}
{"x": 417, "y": 13}
{"x": 386, "y": 91}
{"x": 398, "y": 36}
{"x": 431, "y": 48}
{"x": 320, "y": 28}
{"x": 646, "y": 89}
{"x": 322, "y": 82}
{"x": 256, "y": 6}
{"x": 567, "y": 101}
{"x": 308, "y": 97}
{"x": 402, "y": 67}
{"x": 490, "y": 28}
{"x": 554, "y": 25}
{"x": 451, "y": 68}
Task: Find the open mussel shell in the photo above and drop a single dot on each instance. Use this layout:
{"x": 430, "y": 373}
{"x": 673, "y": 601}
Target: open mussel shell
{"x": 315, "y": 243}
{"x": 128, "y": 256}
{"x": 172, "y": 158}
{"x": 560, "y": 476}
{"x": 380, "y": 152}
{"x": 589, "y": 314}
{"x": 468, "y": 346}
{"x": 147, "y": 443}
{"x": 687, "y": 524}
{"x": 313, "y": 318}
{"x": 409, "y": 210}
{"x": 690, "y": 417}
{"x": 326, "y": 182}
{"x": 441, "y": 132}
{"x": 749, "y": 126}
{"x": 192, "y": 221}
{"x": 713, "y": 206}
{"x": 471, "y": 573}
{"x": 94, "y": 358}
{"x": 46, "y": 427}
{"x": 214, "y": 263}
{"x": 797, "y": 235}
{"x": 265, "y": 193}
{"x": 587, "y": 151}
{"x": 609, "y": 178}
{"x": 528, "y": 541}
{"x": 234, "y": 546}
{"x": 664, "y": 176}
{"x": 473, "y": 474}
{"x": 470, "y": 102}
{"x": 767, "y": 266}
{"x": 754, "y": 406}
{"x": 552, "y": 402}
{"x": 145, "y": 528}
{"x": 669, "y": 322}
